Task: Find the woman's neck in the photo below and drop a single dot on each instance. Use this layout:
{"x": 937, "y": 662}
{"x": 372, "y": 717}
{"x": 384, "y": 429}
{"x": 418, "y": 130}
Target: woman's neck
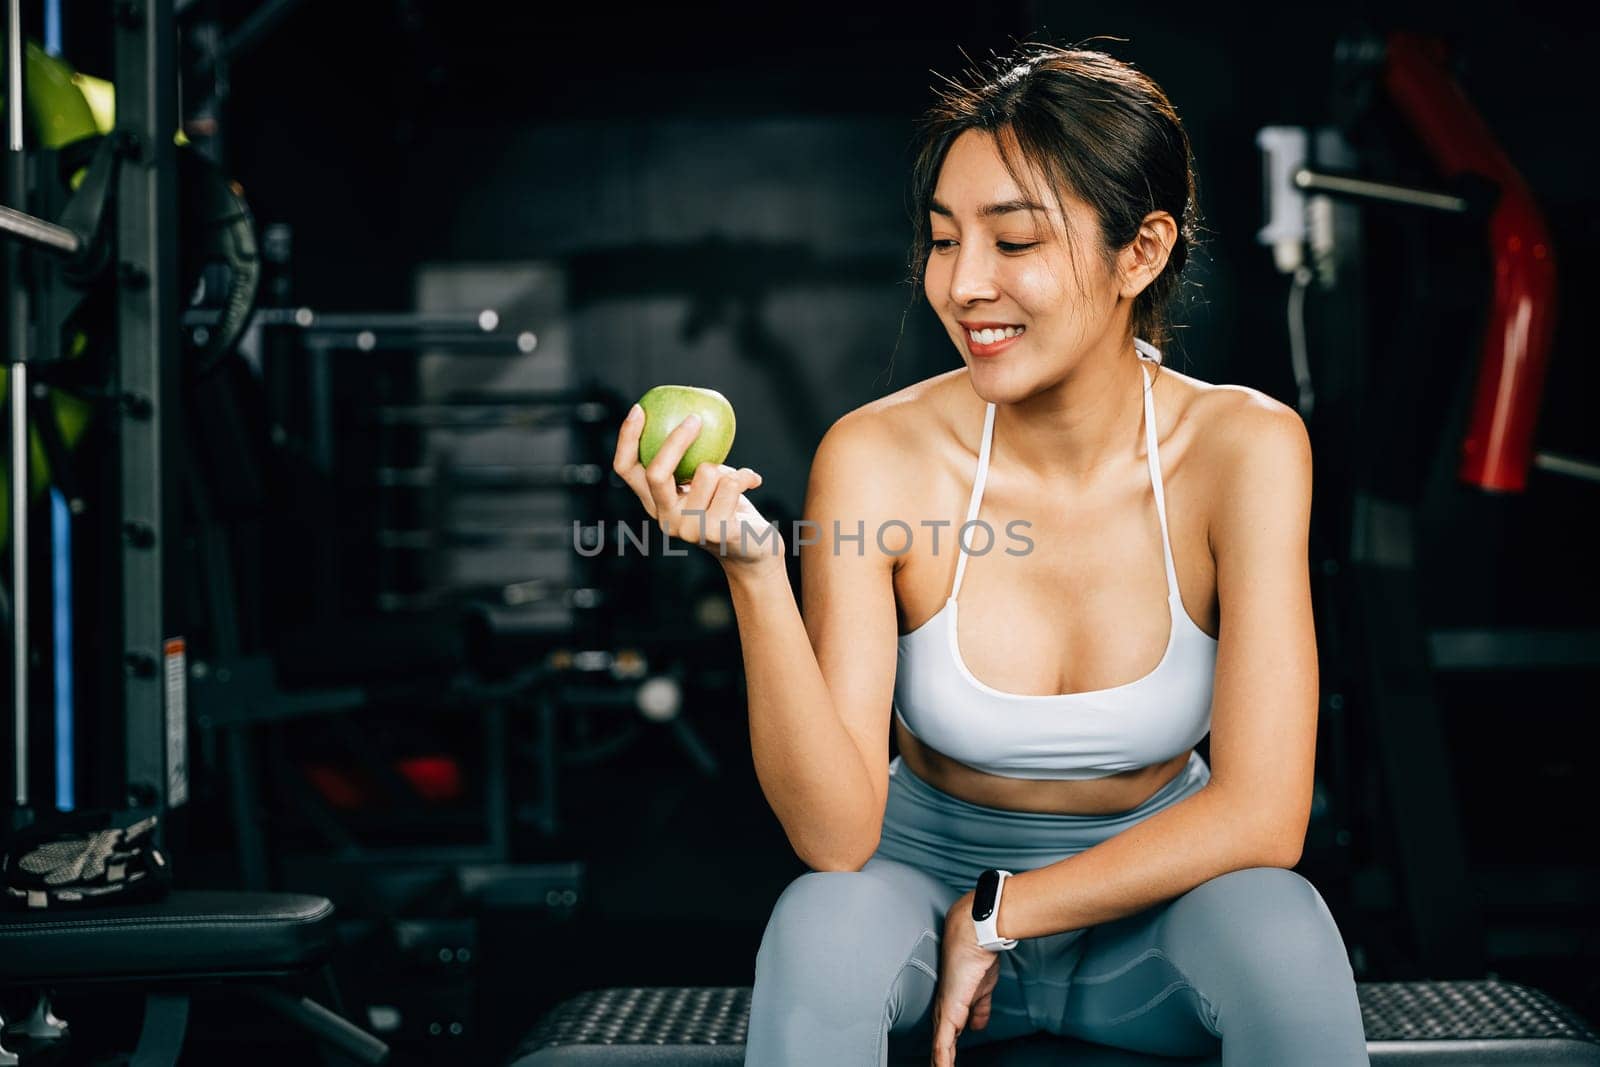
{"x": 1088, "y": 419}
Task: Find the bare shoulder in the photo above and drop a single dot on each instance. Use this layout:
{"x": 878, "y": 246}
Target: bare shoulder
{"x": 1236, "y": 422}
{"x": 1254, "y": 458}
{"x": 896, "y": 433}
{"x": 916, "y": 405}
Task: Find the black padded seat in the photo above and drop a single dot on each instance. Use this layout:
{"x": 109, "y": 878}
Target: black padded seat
{"x": 261, "y": 945}
{"x": 182, "y": 935}
{"x": 1429, "y": 1024}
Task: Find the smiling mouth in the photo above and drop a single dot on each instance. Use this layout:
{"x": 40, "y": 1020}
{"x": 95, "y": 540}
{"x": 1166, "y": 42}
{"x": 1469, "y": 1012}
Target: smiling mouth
{"x": 990, "y": 342}
{"x": 989, "y": 336}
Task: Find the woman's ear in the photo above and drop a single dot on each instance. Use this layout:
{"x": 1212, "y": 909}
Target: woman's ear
{"x": 1146, "y": 255}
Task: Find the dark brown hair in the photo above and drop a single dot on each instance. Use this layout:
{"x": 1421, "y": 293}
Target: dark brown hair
{"x": 1093, "y": 126}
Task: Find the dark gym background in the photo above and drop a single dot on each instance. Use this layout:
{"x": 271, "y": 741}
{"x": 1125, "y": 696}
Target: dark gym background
{"x": 715, "y": 195}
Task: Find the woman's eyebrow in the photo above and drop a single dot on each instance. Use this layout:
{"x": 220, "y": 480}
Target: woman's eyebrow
{"x": 1005, "y": 207}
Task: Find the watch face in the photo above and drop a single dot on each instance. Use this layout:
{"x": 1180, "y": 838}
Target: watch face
{"x": 983, "y": 896}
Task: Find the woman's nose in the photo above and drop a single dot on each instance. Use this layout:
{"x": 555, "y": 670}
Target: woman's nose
{"x": 972, "y": 279}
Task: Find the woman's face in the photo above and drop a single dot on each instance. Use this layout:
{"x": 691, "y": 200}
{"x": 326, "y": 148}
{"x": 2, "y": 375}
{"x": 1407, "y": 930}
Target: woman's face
{"x": 1001, "y": 265}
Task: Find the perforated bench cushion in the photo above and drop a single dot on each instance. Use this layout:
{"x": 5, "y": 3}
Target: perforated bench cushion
{"x": 184, "y": 934}
{"x": 1433, "y": 1023}
{"x": 1487, "y": 1022}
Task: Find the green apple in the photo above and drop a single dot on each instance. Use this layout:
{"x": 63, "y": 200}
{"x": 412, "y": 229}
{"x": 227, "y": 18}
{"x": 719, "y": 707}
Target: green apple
{"x": 666, "y": 406}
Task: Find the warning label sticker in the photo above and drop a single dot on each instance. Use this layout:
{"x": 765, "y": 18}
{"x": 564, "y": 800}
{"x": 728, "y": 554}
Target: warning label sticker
{"x": 177, "y": 682}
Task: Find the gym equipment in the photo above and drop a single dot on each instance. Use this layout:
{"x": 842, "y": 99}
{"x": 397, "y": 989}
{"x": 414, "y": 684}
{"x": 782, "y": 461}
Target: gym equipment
{"x": 164, "y": 949}
{"x": 1412, "y": 434}
{"x": 218, "y": 231}
{"x": 266, "y": 946}
{"x": 80, "y": 860}
{"x": 79, "y": 243}
{"x": 217, "y": 252}
{"x": 1497, "y": 448}
{"x": 1430, "y": 1024}
{"x": 75, "y": 302}
{"x": 74, "y": 150}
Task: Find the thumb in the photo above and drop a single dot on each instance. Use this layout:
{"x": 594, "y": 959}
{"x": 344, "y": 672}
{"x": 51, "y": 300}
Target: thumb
{"x": 981, "y": 1011}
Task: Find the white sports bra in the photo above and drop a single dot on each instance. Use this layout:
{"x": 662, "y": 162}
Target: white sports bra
{"x": 1068, "y": 735}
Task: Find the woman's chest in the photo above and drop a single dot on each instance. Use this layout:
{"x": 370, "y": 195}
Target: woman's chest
{"x": 1064, "y": 589}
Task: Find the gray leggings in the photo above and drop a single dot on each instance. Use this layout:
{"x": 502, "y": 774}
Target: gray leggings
{"x": 849, "y": 961}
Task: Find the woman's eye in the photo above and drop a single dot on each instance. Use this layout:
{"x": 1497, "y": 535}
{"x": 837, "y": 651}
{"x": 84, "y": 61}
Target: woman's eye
{"x": 945, "y": 244}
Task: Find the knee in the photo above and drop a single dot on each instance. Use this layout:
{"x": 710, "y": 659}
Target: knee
{"x": 843, "y": 955}
{"x": 830, "y": 920}
{"x": 1270, "y": 925}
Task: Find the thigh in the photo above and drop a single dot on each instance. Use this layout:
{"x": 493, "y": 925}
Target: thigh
{"x": 847, "y": 957}
{"x": 1249, "y": 952}
{"x": 1129, "y": 991}
{"x": 923, "y": 903}
{"x": 910, "y": 1001}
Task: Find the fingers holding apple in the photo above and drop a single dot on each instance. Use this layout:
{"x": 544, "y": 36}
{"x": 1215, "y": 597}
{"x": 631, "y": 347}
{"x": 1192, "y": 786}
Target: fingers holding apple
{"x": 709, "y": 504}
{"x": 666, "y": 407}
{"x": 625, "y": 462}
{"x": 661, "y": 470}
{"x": 670, "y": 451}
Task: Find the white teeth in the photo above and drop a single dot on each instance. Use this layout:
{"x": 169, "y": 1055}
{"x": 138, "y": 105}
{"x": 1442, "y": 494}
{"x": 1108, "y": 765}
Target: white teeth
{"x": 989, "y": 337}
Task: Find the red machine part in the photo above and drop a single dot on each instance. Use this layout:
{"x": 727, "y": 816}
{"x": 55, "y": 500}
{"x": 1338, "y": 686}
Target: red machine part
{"x": 435, "y": 778}
{"x": 1498, "y": 448}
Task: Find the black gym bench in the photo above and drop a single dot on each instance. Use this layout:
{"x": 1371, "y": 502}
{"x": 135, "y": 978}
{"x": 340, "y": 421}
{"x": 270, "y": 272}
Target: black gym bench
{"x": 1427, "y": 1024}
{"x": 264, "y": 946}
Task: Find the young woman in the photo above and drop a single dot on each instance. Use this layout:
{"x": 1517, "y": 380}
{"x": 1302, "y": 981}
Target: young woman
{"x": 1130, "y": 574}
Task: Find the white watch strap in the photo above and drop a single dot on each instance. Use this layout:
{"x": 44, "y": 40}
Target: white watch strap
{"x": 987, "y": 930}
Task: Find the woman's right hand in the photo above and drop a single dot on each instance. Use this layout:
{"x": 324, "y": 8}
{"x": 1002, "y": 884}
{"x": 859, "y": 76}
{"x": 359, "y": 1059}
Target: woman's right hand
{"x": 711, "y": 510}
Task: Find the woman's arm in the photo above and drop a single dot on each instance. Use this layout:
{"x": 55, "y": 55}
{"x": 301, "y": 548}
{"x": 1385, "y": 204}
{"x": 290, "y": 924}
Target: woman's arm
{"x": 820, "y": 690}
{"x": 1255, "y": 809}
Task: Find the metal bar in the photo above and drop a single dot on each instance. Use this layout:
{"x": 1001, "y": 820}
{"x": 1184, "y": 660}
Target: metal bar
{"x": 249, "y": 846}
{"x": 166, "y": 1020}
{"x": 16, "y": 191}
{"x": 1559, "y": 464}
{"x": 225, "y": 707}
{"x": 1388, "y": 192}
{"x": 531, "y": 535}
{"x": 61, "y": 608}
{"x": 549, "y": 765}
{"x": 496, "y": 791}
{"x": 584, "y": 407}
{"x": 476, "y": 344}
{"x": 1410, "y": 736}
{"x": 255, "y": 25}
{"x": 484, "y": 321}
{"x": 147, "y": 337}
{"x": 19, "y": 574}
{"x": 494, "y": 476}
{"x": 326, "y": 1025}
{"x": 476, "y": 417}
{"x": 14, "y": 75}
{"x": 325, "y": 551}
{"x": 319, "y": 382}
{"x": 36, "y": 231}
{"x": 1513, "y": 649}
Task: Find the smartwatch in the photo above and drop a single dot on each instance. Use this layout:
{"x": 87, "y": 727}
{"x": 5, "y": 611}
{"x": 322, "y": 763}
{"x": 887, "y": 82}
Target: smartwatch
{"x": 986, "y": 910}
